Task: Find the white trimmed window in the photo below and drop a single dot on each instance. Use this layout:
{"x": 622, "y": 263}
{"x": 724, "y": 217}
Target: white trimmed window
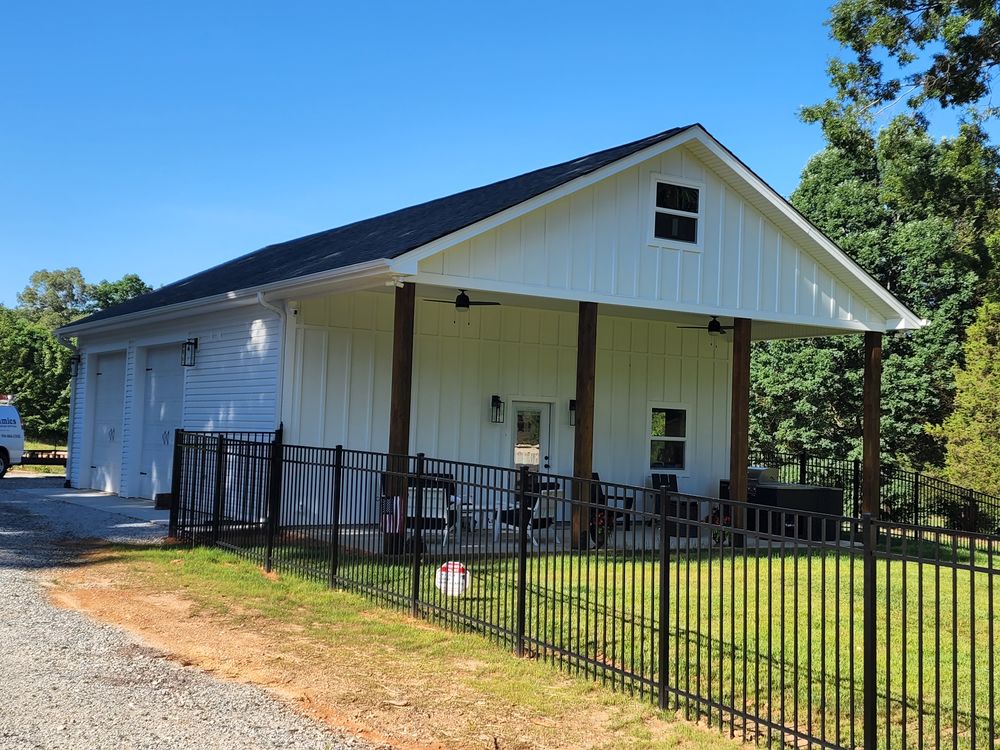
{"x": 677, "y": 213}
{"x": 667, "y": 438}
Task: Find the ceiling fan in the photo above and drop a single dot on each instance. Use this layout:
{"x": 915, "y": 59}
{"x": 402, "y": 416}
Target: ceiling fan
{"x": 715, "y": 328}
{"x": 462, "y": 302}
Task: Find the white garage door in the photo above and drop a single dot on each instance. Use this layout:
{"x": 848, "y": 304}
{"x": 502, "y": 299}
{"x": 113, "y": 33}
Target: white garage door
{"x": 161, "y": 415}
{"x": 106, "y": 446}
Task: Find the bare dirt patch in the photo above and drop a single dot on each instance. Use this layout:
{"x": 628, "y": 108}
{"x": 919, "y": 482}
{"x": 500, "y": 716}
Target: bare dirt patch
{"x": 374, "y": 689}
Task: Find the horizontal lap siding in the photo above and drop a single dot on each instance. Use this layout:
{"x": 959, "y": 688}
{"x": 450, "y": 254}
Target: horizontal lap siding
{"x": 597, "y": 240}
{"x": 77, "y": 417}
{"x": 234, "y": 384}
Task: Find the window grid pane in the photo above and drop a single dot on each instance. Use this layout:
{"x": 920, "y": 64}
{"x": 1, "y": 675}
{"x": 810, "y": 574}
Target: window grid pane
{"x": 669, "y": 423}
{"x": 675, "y": 227}
{"x": 676, "y": 197}
{"x": 666, "y": 454}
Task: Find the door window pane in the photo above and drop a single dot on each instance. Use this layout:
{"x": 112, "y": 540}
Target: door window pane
{"x": 528, "y": 442}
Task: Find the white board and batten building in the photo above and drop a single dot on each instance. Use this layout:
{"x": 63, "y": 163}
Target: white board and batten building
{"x": 663, "y": 234}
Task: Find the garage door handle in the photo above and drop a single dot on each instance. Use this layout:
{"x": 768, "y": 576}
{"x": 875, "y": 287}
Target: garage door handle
{"x": 111, "y": 434}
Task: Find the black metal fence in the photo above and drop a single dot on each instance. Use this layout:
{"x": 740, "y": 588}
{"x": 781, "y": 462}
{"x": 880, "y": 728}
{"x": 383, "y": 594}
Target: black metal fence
{"x": 906, "y": 496}
{"x": 781, "y": 627}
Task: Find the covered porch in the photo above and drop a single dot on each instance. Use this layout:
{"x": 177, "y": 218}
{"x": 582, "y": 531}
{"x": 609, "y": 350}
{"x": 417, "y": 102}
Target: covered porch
{"x": 633, "y": 394}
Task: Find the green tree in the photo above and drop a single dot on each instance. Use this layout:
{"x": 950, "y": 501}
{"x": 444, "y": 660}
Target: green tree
{"x": 920, "y": 216}
{"x": 54, "y": 298}
{"x": 35, "y": 368}
{"x": 104, "y": 294}
{"x": 972, "y": 430}
{"x": 912, "y": 50}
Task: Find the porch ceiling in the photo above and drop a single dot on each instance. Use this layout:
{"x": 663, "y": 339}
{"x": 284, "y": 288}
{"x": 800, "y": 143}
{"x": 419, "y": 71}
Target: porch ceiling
{"x": 762, "y": 330}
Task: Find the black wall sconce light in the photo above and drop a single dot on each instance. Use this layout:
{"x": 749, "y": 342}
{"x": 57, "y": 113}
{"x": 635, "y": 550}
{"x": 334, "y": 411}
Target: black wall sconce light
{"x": 497, "y": 409}
{"x": 74, "y": 365}
{"x": 189, "y": 350}
{"x": 572, "y": 412}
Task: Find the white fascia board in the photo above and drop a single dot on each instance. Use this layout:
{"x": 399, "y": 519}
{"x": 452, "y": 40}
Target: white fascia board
{"x": 834, "y": 326}
{"x": 406, "y": 264}
{"x": 907, "y": 318}
{"x": 230, "y": 300}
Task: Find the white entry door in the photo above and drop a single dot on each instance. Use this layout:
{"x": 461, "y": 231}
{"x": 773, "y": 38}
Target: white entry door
{"x": 161, "y": 415}
{"x": 531, "y": 435}
{"x": 106, "y": 439}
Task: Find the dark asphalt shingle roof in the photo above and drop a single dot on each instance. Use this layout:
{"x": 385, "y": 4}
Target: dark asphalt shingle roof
{"x": 386, "y": 236}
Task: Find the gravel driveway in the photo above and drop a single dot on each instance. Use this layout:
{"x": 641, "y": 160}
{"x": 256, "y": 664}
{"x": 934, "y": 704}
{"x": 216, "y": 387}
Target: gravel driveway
{"x": 68, "y": 682}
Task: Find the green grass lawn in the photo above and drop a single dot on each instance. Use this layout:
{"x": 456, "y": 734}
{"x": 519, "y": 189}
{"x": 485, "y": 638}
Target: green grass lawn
{"x": 468, "y": 692}
{"x": 38, "y": 445}
{"x": 776, "y": 635}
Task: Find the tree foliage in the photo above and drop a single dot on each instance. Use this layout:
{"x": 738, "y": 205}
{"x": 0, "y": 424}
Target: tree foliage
{"x": 920, "y": 216}
{"x": 35, "y": 368}
{"x": 972, "y": 430}
{"x": 56, "y": 298}
{"x": 915, "y": 50}
{"x": 105, "y": 294}
{"x": 34, "y": 365}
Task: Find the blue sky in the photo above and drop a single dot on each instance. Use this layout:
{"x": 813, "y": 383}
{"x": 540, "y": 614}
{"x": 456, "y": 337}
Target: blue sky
{"x": 164, "y": 138}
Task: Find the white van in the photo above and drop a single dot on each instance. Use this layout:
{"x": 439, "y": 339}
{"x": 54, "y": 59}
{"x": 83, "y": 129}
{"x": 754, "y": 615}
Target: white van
{"x": 11, "y": 438}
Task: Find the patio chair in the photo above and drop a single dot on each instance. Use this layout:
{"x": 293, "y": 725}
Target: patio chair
{"x": 677, "y": 506}
{"x": 438, "y": 513}
{"x": 543, "y": 514}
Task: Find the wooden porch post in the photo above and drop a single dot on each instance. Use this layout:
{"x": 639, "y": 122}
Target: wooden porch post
{"x": 739, "y": 433}
{"x": 583, "y": 440}
{"x": 400, "y": 393}
{"x": 871, "y": 424}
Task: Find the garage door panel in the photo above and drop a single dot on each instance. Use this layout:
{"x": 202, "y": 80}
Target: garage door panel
{"x": 106, "y": 446}
{"x": 162, "y": 409}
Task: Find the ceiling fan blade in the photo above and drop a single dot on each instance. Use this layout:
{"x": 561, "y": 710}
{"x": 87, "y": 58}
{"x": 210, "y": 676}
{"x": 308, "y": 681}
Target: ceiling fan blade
{"x": 693, "y": 328}
{"x": 483, "y": 303}
{"x": 442, "y": 301}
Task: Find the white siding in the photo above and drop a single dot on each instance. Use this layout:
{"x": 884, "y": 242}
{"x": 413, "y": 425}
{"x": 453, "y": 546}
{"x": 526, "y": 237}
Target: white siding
{"x": 234, "y": 385}
{"x": 596, "y": 244}
{"x": 130, "y": 435}
{"x": 341, "y": 388}
{"x": 77, "y": 420}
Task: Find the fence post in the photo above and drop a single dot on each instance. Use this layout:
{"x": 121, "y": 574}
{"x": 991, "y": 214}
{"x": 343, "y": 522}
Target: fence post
{"x": 856, "y": 487}
{"x": 664, "y": 608}
{"x": 217, "y": 507}
{"x": 273, "y": 498}
{"x": 802, "y": 468}
{"x": 916, "y": 498}
{"x": 418, "y": 536}
{"x": 870, "y": 699}
{"x": 175, "y": 484}
{"x": 524, "y": 518}
{"x": 338, "y": 480}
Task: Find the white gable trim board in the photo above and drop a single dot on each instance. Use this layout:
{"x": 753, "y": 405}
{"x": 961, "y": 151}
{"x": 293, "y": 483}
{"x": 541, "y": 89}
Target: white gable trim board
{"x": 234, "y": 386}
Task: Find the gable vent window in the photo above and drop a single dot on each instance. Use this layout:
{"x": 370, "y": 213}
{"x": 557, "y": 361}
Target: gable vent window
{"x": 678, "y": 211}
